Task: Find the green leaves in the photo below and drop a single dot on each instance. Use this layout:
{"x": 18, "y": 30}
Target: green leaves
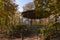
{"x": 7, "y": 10}
{"x": 52, "y": 6}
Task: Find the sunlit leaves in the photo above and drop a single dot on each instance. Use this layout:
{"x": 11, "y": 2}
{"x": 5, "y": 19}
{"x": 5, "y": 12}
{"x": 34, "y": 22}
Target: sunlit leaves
{"x": 45, "y": 9}
{"x": 52, "y": 6}
{"x": 7, "y": 10}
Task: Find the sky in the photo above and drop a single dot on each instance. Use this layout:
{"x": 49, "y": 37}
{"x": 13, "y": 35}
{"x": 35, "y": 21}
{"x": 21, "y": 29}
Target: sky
{"x": 21, "y": 3}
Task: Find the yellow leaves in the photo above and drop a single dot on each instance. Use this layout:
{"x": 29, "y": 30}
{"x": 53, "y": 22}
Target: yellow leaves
{"x": 53, "y": 12}
{"x": 2, "y": 21}
{"x": 47, "y": 9}
{"x": 7, "y": 10}
{"x": 0, "y": 0}
{"x": 42, "y": 30}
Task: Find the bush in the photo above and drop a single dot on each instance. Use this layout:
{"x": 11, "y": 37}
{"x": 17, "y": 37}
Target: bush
{"x": 17, "y": 30}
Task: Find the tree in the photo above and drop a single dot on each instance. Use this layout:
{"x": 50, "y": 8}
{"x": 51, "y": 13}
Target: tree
{"x": 7, "y": 11}
{"x": 28, "y": 6}
{"x": 45, "y": 8}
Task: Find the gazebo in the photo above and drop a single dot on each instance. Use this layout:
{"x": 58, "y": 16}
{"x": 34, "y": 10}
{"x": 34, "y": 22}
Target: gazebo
{"x": 31, "y": 14}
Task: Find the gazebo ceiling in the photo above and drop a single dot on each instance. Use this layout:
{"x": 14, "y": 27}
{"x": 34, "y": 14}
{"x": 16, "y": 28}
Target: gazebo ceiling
{"x": 30, "y": 14}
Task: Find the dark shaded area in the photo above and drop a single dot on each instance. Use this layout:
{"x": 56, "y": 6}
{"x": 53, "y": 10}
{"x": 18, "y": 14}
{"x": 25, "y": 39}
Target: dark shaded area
{"x": 54, "y": 36}
{"x": 31, "y": 14}
{"x": 25, "y": 31}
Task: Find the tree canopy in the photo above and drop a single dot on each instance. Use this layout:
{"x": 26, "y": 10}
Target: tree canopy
{"x": 45, "y": 8}
{"x": 7, "y": 10}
